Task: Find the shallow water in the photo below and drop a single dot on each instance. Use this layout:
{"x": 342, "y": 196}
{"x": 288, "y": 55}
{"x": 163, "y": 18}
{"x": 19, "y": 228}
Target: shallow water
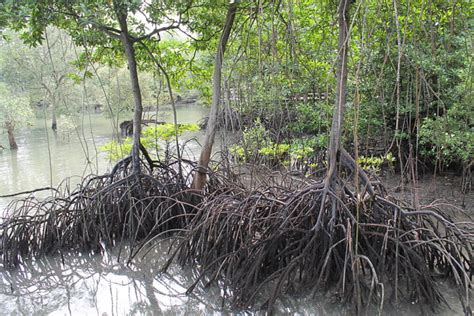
{"x": 101, "y": 285}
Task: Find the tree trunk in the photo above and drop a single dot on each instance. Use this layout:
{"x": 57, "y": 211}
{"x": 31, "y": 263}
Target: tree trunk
{"x": 137, "y": 96}
{"x": 200, "y": 177}
{"x": 54, "y": 124}
{"x": 11, "y": 136}
{"x": 341, "y": 80}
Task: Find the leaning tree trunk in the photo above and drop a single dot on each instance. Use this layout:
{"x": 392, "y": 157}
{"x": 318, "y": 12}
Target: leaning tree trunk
{"x": 11, "y": 136}
{"x": 341, "y": 80}
{"x": 137, "y": 96}
{"x": 200, "y": 177}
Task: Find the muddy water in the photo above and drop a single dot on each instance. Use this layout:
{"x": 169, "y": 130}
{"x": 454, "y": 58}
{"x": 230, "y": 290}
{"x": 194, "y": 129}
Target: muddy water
{"x": 102, "y": 285}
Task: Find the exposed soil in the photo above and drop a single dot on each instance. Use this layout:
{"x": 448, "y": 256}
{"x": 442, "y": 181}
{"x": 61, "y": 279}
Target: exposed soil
{"x": 428, "y": 189}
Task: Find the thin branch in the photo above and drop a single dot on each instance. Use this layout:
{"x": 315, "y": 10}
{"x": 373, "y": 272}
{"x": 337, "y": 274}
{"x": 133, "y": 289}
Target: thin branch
{"x": 173, "y": 26}
{"x": 28, "y": 192}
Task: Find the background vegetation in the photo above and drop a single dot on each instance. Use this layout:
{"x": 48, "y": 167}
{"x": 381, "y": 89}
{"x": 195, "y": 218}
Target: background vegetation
{"x": 410, "y": 73}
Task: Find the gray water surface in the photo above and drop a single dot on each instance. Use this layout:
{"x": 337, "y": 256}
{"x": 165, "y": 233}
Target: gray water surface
{"x": 89, "y": 284}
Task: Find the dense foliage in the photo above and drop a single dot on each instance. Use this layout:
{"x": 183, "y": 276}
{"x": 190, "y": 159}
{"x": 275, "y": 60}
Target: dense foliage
{"x": 410, "y": 77}
{"x": 410, "y": 67}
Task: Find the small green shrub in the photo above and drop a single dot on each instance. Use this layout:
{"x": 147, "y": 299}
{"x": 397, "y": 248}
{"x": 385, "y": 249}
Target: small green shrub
{"x": 166, "y": 132}
{"x": 374, "y": 164}
{"x": 151, "y": 138}
{"x": 254, "y": 138}
{"x": 117, "y": 150}
{"x": 257, "y": 147}
{"x": 449, "y": 138}
{"x": 274, "y": 150}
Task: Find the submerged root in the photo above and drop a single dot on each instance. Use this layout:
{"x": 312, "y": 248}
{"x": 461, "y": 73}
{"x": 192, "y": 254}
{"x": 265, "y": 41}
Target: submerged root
{"x": 368, "y": 248}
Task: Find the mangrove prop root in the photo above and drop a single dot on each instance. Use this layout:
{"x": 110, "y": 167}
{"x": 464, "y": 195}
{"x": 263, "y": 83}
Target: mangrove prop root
{"x": 103, "y": 210}
{"x": 256, "y": 243}
{"x": 367, "y": 247}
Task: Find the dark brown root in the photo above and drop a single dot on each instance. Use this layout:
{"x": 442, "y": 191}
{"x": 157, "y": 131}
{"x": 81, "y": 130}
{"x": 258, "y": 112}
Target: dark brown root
{"x": 276, "y": 239}
{"x": 369, "y": 248}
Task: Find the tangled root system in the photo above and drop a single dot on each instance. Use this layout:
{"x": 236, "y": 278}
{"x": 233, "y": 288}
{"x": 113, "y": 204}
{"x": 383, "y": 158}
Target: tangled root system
{"x": 256, "y": 244}
{"x": 103, "y": 210}
{"x": 368, "y": 248}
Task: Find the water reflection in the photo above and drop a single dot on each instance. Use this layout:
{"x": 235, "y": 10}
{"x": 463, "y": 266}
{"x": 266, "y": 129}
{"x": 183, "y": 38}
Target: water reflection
{"x": 88, "y": 284}
{"x": 102, "y": 285}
